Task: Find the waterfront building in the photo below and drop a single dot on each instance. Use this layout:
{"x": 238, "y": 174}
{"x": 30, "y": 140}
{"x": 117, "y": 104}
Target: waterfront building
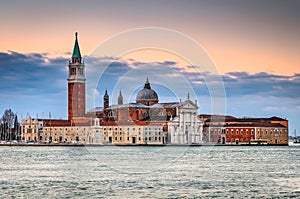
{"x": 186, "y": 127}
{"x": 31, "y": 129}
{"x": 49, "y": 131}
{"x": 231, "y": 130}
{"x": 145, "y": 121}
{"x": 140, "y": 134}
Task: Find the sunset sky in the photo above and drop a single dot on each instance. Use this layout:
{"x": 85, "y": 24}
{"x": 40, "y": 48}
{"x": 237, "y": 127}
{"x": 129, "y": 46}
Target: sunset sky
{"x": 254, "y": 45}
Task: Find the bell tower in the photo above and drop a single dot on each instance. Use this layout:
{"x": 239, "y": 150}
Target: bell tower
{"x": 120, "y": 99}
{"x": 76, "y": 84}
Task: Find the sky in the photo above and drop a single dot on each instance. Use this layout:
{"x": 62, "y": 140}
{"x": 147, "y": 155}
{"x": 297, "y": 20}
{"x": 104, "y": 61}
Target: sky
{"x": 253, "y": 47}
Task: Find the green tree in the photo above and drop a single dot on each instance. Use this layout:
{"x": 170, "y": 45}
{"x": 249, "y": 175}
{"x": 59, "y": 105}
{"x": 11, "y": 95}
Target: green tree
{"x": 17, "y": 129}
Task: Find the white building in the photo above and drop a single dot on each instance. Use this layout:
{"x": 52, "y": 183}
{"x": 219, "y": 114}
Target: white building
{"x": 186, "y": 127}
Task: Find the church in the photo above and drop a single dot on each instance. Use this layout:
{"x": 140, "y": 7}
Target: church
{"x": 145, "y": 121}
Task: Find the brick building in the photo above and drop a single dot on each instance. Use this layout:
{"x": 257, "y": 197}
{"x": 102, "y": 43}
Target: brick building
{"x": 231, "y": 130}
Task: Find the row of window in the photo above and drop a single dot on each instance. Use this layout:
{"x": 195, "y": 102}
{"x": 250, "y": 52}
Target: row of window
{"x": 276, "y": 131}
{"x": 139, "y": 138}
{"x": 120, "y": 133}
{"x": 68, "y": 134}
{"x": 232, "y": 132}
{"x": 61, "y": 139}
{"x": 241, "y": 140}
{"x": 62, "y": 129}
{"x": 155, "y": 129}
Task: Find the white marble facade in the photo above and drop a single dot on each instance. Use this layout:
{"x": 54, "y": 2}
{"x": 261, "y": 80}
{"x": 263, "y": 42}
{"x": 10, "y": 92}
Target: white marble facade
{"x": 186, "y": 127}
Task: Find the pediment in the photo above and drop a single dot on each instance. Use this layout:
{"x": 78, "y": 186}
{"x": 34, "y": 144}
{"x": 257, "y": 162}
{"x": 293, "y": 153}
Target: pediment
{"x": 188, "y": 104}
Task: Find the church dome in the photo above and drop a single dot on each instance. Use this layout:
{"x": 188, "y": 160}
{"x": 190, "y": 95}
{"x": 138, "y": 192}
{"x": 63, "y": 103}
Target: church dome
{"x": 147, "y": 96}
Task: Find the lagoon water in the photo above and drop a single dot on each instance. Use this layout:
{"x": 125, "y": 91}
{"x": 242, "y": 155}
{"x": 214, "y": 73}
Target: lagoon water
{"x": 150, "y": 172}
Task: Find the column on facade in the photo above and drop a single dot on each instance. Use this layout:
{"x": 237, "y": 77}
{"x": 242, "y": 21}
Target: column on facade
{"x": 175, "y": 132}
{"x": 181, "y": 129}
{"x": 192, "y": 126}
{"x": 201, "y": 132}
{"x": 185, "y": 140}
{"x": 172, "y": 133}
{"x": 196, "y": 127}
{"x": 194, "y": 120}
{"x": 208, "y": 134}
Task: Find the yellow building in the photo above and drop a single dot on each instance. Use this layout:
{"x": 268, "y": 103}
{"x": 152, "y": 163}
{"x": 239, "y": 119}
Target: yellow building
{"x": 272, "y": 135}
{"x": 49, "y": 131}
{"x": 31, "y": 129}
{"x": 134, "y": 134}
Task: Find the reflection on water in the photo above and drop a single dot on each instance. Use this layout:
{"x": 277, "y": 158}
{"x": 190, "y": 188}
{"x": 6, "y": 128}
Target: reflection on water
{"x": 150, "y": 172}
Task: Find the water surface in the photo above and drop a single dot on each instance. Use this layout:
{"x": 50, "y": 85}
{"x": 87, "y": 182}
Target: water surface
{"x": 150, "y": 172}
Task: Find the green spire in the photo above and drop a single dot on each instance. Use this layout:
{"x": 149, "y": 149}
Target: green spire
{"x": 76, "y": 51}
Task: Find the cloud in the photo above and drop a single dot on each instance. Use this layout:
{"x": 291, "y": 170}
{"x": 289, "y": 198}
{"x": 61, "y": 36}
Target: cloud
{"x": 34, "y": 72}
{"x": 263, "y": 84}
{"x": 33, "y": 83}
{"x": 116, "y": 74}
{"x": 36, "y": 83}
{"x": 27, "y": 74}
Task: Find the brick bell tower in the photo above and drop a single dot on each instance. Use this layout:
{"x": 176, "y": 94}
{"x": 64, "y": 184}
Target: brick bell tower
{"x": 76, "y": 84}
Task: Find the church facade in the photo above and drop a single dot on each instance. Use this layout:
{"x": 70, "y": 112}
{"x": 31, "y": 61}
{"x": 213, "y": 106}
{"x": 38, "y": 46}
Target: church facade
{"x": 145, "y": 121}
{"x": 186, "y": 127}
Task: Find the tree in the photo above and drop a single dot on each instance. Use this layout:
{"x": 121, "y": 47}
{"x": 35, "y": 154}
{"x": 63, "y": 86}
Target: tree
{"x": 1, "y": 129}
{"x": 7, "y": 124}
{"x": 17, "y": 129}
